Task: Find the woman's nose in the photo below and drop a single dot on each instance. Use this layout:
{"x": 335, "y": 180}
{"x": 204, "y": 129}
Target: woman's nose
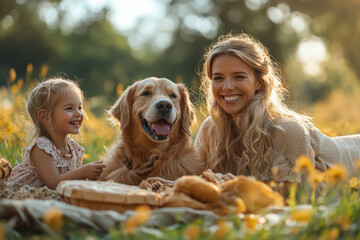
{"x": 228, "y": 84}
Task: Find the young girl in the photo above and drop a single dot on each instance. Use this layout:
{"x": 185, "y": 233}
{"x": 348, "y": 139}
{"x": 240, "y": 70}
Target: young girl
{"x": 55, "y": 107}
{"x": 251, "y": 130}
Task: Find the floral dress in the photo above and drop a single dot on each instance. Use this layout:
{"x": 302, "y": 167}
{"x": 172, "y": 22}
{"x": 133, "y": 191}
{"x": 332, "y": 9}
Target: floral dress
{"x": 26, "y": 174}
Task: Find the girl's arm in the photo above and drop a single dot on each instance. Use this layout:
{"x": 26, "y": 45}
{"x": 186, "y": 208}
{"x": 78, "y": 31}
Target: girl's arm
{"x": 51, "y": 177}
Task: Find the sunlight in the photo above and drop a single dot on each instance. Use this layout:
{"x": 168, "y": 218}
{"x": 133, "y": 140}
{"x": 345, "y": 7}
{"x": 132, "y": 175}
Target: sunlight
{"x": 312, "y": 53}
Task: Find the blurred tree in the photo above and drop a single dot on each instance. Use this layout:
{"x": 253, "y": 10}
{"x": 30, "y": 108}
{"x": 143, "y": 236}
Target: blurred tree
{"x": 195, "y": 24}
{"x": 338, "y": 22}
{"x": 99, "y": 57}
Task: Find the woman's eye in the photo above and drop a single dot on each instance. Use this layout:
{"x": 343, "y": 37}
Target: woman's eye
{"x": 173, "y": 95}
{"x": 146, "y": 93}
{"x": 217, "y": 78}
{"x": 68, "y": 108}
{"x": 239, "y": 77}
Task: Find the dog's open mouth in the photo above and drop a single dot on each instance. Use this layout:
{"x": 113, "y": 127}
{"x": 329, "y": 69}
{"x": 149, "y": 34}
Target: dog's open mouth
{"x": 158, "y": 130}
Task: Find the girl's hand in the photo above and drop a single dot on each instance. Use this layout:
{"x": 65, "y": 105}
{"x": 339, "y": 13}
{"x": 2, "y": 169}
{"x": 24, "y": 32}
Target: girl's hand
{"x": 93, "y": 170}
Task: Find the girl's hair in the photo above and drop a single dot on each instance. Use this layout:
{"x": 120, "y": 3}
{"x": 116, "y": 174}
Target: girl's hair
{"x": 249, "y": 131}
{"x": 45, "y": 96}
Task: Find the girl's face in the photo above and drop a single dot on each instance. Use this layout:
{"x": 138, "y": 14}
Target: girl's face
{"x": 67, "y": 115}
{"x": 233, "y": 83}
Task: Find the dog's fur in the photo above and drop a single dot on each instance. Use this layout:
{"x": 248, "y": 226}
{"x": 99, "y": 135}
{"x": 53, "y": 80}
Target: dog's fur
{"x": 146, "y": 147}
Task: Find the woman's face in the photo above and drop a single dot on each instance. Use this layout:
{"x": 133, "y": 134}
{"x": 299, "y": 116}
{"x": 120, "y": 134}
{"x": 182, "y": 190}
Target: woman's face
{"x": 233, "y": 83}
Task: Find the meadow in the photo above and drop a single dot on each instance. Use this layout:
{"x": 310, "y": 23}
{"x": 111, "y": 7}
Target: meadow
{"x": 331, "y": 212}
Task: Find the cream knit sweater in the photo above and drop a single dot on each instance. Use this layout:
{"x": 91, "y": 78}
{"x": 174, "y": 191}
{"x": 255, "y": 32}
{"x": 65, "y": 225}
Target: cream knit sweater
{"x": 292, "y": 140}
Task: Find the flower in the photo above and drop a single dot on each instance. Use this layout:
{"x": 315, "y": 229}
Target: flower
{"x": 303, "y": 164}
{"x": 301, "y": 215}
{"x": 86, "y": 156}
{"x": 54, "y": 219}
{"x": 43, "y": 71}
{"x": 354, "y": 183}
{"x": 336, "y": 173}
{"x": 119, "y": 89}
{"x": 305, "y": 167}
{"x": 140, "y": 217}
{"x": 192, "y": 232}
{"x": 29, "y": 68}
{"x": 333, "y": 233}
{"x": 253, "y": 222}
{"x": 223, "y": 228}
{"x": 12, "y": 75}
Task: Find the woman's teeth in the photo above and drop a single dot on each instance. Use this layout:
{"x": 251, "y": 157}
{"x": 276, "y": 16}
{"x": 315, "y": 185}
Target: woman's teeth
{"x": 231, "y": 98}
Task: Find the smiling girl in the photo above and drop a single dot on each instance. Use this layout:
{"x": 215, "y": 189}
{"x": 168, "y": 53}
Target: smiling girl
{"x": 55, "y": 107}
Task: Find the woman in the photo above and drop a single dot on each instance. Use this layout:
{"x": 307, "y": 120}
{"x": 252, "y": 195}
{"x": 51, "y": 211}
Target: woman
{"x": 250, "y": 129}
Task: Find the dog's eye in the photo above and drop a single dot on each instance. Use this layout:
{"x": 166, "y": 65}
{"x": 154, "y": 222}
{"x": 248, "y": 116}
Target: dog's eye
{"x": 146, "y": 93}
{"x": 173, "y": 95}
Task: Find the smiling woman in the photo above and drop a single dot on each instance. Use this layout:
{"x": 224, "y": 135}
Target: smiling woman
{"x": 251, "y": 130}
{"x": 233, "y": 83}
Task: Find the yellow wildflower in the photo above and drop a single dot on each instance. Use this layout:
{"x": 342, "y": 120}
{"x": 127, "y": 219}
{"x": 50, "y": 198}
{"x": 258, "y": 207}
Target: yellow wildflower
{"x": 333, "y": 233}
{"x": 140, "y": 217}
{"x": 253, "y": 222}
{"x": 336, "y": 173}
{"x": 86, "y": 156}
{"x": 344, "y": 223}
{"x": 29, "y": 68}
{"x": 354, "y": 183}
{"x": 301, "y": 215}
{"x": 14, "y": 89}
{"x": 192, "y": 232}
{"x": 119, "y": 89}
{"x": 12, "y": 75}
{"x": 54, "y": 219}
{"x": 304, "y": 164}
{"x": 223, "y": 228}
{"x": 43, "y": 71}
{"x": 20, "y": 83}
{"x": 318, "y": 177}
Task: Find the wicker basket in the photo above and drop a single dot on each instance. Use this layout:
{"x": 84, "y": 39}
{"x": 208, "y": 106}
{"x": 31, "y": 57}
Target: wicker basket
{"x": 99, "y": 195}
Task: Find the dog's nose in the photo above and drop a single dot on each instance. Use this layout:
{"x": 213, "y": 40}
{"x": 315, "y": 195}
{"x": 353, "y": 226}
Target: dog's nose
{"x": 163, "y": 106}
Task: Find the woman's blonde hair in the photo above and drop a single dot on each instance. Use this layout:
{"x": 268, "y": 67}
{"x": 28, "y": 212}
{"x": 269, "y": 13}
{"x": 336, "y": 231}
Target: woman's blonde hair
{"x": 242, "y": 144}
{"x": 45, "y": 96}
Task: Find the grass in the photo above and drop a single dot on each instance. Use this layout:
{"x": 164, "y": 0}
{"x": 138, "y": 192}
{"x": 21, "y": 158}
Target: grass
{"x": 334, "y": 212}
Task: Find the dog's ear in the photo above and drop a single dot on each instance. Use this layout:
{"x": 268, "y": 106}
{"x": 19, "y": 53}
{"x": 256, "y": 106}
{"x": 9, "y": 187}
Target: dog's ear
{"x": 121, "y": 110}
{"x": 187, "y": 109}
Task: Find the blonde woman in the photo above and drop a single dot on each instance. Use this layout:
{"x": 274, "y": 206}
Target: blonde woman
{"x": 250, "y": 129}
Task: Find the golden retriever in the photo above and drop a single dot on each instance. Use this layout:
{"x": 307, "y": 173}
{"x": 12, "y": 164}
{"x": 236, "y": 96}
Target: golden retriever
{"x": 155, "y": 117}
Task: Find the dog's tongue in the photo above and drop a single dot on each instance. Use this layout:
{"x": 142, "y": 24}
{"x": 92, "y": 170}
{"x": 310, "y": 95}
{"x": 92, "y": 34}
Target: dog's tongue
{"x": 161, "y": 128}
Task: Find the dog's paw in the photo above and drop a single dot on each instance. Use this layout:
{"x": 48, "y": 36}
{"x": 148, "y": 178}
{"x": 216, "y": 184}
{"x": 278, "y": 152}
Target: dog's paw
{"x": 5, "y": 168}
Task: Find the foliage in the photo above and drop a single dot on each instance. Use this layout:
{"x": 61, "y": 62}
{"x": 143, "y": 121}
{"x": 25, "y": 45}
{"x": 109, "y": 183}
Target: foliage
{"x": 101, "y": 58}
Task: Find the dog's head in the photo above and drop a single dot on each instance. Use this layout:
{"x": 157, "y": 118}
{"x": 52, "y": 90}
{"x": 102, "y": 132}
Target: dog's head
{"x": 156, "y": 105}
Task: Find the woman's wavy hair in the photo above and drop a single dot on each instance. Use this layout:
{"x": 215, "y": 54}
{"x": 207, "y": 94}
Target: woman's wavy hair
{"x": 244, "y": 142}
{"x": 45, "y": 96}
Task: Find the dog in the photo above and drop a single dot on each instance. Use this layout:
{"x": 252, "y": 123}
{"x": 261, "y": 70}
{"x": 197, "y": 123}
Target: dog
{"x": 155, "y": 117}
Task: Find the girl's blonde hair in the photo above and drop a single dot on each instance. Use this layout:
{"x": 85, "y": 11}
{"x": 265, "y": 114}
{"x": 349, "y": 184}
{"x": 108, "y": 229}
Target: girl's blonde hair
{"x": 45, "y": 96}
{"x": 243, "y": 145}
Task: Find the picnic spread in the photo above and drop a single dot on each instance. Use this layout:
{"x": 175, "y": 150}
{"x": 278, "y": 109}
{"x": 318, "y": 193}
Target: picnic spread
{"x": 101, "y": 205}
